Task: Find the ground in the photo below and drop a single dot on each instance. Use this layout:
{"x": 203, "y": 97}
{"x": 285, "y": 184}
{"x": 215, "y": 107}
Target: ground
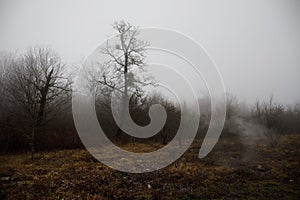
{"x": 245, "y": 168}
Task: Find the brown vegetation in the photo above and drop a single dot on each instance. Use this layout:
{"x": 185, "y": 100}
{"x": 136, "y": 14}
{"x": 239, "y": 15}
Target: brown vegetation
{"x": 245, "y": 168}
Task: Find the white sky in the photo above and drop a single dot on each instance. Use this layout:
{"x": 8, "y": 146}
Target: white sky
{"x": 255, "y": 44}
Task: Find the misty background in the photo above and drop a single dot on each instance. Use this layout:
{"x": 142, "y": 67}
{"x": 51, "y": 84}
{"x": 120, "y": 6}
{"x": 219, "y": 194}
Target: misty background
{"x": 255, "y": 44}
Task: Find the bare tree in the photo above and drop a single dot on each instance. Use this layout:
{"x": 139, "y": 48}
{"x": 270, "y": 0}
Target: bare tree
{"x": 233, "y": 112}
{"x": 35, "y": 84}
{"x": 270, "y": 115}
{"x": 124, "y": 69}
{"x": 7, "y": 61}
{"x": 125, "y": 57}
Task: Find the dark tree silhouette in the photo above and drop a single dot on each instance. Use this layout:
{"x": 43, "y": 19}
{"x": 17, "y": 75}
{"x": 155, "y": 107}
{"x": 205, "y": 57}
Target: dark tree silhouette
{"x": 35, "y": 83}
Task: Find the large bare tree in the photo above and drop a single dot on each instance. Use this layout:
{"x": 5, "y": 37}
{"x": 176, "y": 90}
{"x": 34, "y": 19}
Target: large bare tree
{"x": 35, "y": 84}
{"x": 124, "y": 68}
{"x": 126, "y": 56}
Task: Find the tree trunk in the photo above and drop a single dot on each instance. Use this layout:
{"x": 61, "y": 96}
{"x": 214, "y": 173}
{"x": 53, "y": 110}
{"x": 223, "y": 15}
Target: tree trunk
{"x": 32, "y": 143}
{"x": 124, "y": 96}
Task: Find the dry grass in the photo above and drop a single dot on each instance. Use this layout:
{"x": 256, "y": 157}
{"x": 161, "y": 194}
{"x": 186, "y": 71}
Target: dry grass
{"x": 243, "y": 169}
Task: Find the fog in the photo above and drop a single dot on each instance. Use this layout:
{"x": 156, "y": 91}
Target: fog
{"x": 255, "y": 44}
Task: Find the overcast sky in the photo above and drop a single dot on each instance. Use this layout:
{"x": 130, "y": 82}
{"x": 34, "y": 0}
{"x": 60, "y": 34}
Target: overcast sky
{"x": 255, "y": 43}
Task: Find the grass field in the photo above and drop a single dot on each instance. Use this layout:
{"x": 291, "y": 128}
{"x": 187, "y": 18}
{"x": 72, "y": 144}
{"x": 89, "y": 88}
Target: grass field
{"x": 236, "y": 169}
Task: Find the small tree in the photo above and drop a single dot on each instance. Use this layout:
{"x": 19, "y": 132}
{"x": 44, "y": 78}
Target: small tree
{"x": 270, "y": 114}
{"x": 231, "y": 126}
{"x": 34, "y": 84}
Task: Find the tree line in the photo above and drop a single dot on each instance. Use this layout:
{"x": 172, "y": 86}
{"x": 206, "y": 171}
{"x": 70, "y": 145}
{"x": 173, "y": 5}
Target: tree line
{"x": 36, "y": 89}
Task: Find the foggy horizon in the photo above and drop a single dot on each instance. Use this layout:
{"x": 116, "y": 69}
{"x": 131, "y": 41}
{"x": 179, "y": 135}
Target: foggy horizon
{"x": 255, "y": 45}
